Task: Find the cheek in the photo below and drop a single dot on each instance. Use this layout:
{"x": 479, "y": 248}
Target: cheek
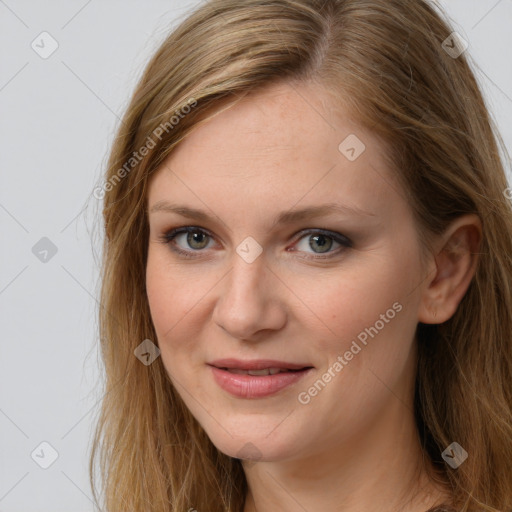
{"x": 370, "y": 321}
{"x": 178, "y": 302}
{"x": 161, "y": 292}
{"x": 169, "y": 298}
{"x": 345, "y": 303}
{"x": 172, "y": 291}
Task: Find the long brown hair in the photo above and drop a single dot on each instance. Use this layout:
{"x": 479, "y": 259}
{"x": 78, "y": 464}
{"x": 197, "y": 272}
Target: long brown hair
{"x": 388, "y": 61}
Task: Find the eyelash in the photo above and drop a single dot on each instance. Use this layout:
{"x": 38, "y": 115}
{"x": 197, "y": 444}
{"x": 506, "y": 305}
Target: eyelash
{"x": 168, "y": 238}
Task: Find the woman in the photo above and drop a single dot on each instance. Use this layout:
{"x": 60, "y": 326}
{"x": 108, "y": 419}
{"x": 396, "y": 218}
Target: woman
{"x": 306, "y": 299}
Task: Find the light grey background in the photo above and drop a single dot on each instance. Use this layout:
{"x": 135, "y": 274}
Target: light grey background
{"x": 57, "y": 120}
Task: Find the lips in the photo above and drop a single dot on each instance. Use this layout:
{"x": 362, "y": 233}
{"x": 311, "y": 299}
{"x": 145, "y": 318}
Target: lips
{"x": 256, "y": 378}
{"x": 258, "y": 364}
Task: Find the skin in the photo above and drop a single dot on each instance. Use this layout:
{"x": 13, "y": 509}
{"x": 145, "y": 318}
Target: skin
{"x": 354, "y": 446}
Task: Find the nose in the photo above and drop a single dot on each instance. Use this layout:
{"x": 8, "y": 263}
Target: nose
{"x": 250, "y": 300}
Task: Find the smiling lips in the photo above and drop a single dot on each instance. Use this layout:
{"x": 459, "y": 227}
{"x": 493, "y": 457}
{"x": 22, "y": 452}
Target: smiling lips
{"x": 256, "y": 378}
{"x": 257, "y": 364}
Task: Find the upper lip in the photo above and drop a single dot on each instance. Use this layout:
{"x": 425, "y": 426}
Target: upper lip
{"x": 257, "y": 364}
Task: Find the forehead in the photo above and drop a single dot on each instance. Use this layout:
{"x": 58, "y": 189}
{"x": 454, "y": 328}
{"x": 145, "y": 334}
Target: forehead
{"x": 273, "y": 149}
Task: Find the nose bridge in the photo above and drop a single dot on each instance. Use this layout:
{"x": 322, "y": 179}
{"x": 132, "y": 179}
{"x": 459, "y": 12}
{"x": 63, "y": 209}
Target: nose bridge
{"x": 248, "y": 302}
{"x": 245, "y": 279}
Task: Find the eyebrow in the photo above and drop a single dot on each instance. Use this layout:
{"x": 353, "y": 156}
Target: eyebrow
{"x": 287, "y": 217}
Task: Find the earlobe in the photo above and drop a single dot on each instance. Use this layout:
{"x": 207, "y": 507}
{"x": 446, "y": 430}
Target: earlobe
{"x": 455, "y": 262}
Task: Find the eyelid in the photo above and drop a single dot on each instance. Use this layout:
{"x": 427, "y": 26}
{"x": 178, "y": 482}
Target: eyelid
{"x": 174, "y": 232}
{"x": 342, "y": 239}
{"x": 170, "y": 235}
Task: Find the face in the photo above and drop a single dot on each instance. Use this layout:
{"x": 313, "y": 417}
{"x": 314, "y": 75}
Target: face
{"x": 331, "y": 293}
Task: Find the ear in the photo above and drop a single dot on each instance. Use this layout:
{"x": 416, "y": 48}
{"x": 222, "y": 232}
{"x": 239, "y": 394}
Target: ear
{"x": 456, "y": 257}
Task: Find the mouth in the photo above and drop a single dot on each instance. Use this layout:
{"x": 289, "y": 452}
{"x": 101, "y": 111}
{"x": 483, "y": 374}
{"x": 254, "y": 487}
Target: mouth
{"x": 256, "y": 378}
{"x": 252, "y": 365}
{"x": 263, "y": 371}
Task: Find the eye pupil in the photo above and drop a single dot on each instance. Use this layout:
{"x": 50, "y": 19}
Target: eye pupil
{"x": 321, "y": 240}
{"x": 192, "y": 239}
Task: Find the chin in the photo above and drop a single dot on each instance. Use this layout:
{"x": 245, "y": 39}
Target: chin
{"x": 248, "y": 444}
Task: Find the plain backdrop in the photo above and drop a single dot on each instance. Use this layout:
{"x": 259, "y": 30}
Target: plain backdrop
{"x": 57, "y": 119}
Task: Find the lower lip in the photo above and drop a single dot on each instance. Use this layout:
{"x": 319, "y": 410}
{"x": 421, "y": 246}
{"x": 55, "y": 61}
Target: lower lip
{"x": 255, "y": 386}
